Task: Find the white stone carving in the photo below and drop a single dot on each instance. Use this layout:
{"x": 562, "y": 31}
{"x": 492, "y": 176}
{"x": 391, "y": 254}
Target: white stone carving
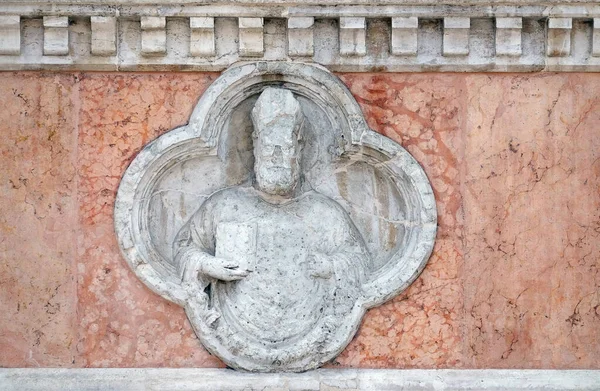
{"x": 421, "y": 37}
{"x": 251, "y": 37}
{"x": 154, "y": 35}
{"x": 202, "y": 37}
{"x": 508, "y": 36}
{"x": 404, "y": 36}
{"x": 276, "y": 217}
{"x": 56, "y": 35}
{"x": 10, "y": 35}
{"x": 353, "y": 36}
{"x": 559, "y": 37}
{"x": 301, "y": 37}
{"x": 104, "y": 35}
{"x": 456, "y": 36}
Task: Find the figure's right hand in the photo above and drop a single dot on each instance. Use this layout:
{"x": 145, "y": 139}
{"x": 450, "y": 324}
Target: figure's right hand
{"x": 215, "y": 267}
{"x": 222, "y": 269}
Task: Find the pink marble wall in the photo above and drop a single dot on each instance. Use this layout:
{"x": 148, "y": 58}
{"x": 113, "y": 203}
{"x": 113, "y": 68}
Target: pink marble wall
{"x": 514, "y": 160}
{"x": 38, "y": 220}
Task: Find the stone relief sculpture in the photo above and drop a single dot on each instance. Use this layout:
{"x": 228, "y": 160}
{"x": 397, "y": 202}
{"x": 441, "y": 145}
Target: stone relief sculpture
{"x": 275, "y": 217}
{"x": 298, "y": 259}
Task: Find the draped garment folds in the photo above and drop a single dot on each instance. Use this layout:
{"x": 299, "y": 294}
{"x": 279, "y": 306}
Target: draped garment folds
{"x": 307, "y": 251}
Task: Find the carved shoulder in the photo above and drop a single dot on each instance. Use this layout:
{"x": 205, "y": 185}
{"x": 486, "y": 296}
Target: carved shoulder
{"x": 321, "y": 205}
{"x": 225, "y": 199}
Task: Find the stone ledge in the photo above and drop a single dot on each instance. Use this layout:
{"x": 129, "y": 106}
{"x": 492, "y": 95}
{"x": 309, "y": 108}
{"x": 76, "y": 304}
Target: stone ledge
{"x": 317, "y": 2}
{"x": 118, "y": 36}
{"x": 133, "y": 379}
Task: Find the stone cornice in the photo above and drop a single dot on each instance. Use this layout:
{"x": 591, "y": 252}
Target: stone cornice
{"x": 275, "y": 9}
{"x": 350, "y": 36}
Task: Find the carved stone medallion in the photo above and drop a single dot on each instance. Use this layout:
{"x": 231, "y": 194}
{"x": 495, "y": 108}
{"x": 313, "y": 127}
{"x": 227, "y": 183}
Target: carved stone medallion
{"x": 276, "y": 217}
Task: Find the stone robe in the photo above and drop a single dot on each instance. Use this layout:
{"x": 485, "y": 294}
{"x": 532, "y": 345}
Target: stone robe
{"x": 307, "y": 266}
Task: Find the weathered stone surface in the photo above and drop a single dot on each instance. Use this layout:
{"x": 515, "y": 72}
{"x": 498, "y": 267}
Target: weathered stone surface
{"x": 405, "y": 36}
{"x": 334, "y": 2}
{"x": 301, "y": 37}
{"x": 428, "y": 114}
{"x": 456, "y": 36}
{"x": 10, "y": 35}
{"x": 134, "y": 379}
{"x": 532, "y": 223}
{"x": 289, "y": 192}
{"x": 154, "y": 35}
{"x": 559, "y": 37}
{"x": 344, "y": 38}
{"x": 38, "y": 220}
{"x": 56, "y": 35}
{"x": 202, "y": 36}
{"x": 121, "y": 323}
{"x": 596, "y": 38}
{"x": 509, "y": 36}
{"x": 104, "y": 35}
{"x": 353, "y": 36}
{"x": 251, "y": 37}
{"x": 423, "y": 326}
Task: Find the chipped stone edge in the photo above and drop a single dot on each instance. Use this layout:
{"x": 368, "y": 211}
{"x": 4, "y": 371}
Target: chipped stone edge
{"x": 201, "y": 379}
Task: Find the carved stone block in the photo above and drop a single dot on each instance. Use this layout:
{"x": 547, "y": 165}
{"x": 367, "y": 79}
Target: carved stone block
{"x": 353, "y": 36}
{"x": 508, "y": 36}
{"x": 154, "y": 35}
{"x": 56, "y": 35}
{"x": 559, "y": 37}
{"x": 202, "y": 36}
{"x": 276, "y": 217}
{"x": 456, "y": 36}
{"x": 301, "y": 36}
{"x": 10, "y": 35}
{"x": 251, "y": 37}
{"x": 104, "y": 35}
{"x": 404, "y": 36}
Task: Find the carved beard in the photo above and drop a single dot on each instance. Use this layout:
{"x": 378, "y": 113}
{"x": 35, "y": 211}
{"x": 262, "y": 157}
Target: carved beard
{"x": 276, "y": 180}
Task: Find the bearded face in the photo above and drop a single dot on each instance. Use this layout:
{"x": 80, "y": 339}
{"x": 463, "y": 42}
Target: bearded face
{"x": 278, "y": 120}
{"x": 276, "y": 163}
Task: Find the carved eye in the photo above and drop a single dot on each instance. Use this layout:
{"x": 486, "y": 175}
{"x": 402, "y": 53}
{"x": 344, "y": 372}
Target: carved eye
{"x": 268, "y": 150}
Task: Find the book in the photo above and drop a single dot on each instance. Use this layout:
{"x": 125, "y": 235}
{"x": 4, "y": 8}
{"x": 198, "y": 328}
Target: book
{"x": 237, "y": 242}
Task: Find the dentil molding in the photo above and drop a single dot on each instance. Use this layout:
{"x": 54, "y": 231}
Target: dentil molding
{"x": 344, "y": 36}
